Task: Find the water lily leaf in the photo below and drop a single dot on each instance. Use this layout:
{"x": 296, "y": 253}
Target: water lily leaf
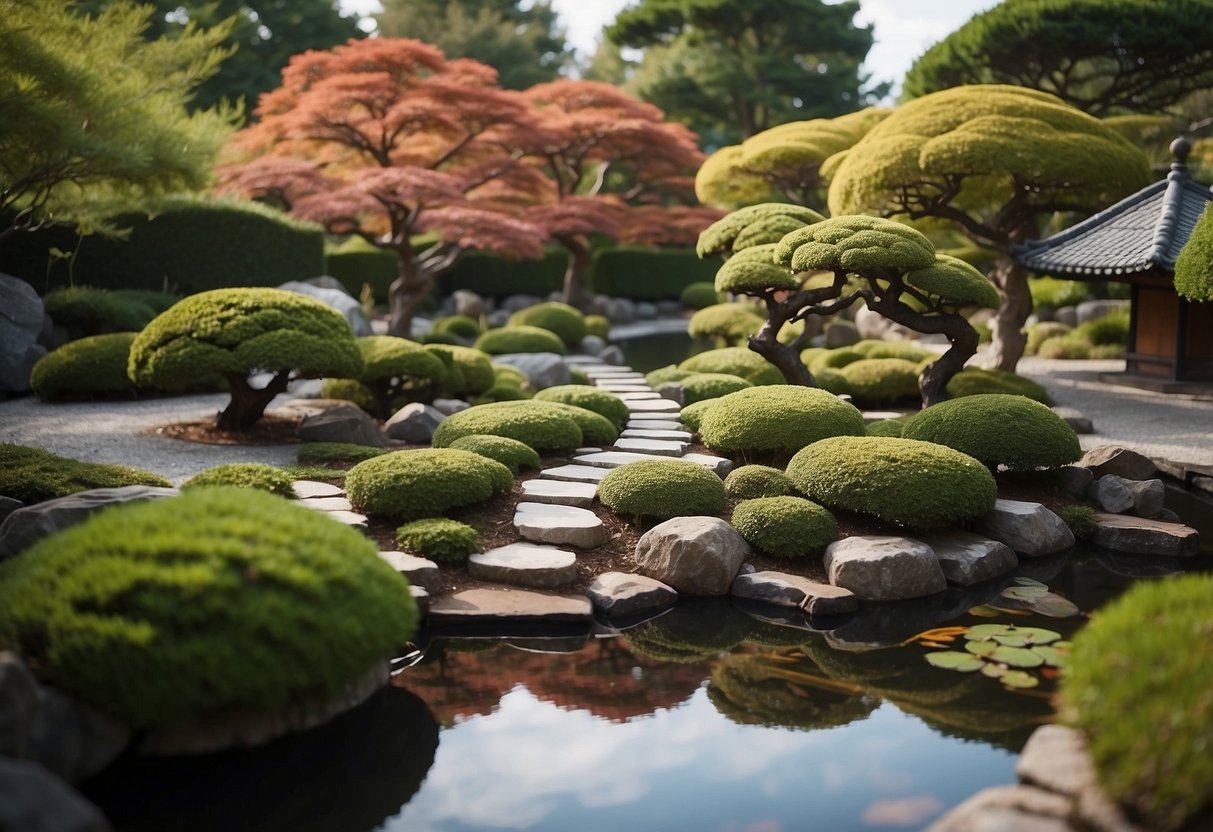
{"x": 1024, "y": 593}
{"x": 1052, "y": 656}
{"x": 981, "y": 648}
{"x": 953, "y": 660}
{"x": 985, "y": 611}
{"x": 994, "y": 671}
{"x": 1019, "y": 679}
{"x": 1052, "y": 605}
{"x": 1016, "y": 657}
{"x": 985, "y": 632}
{"x": 1023, "y": 636}
{"x": 1024, "y": 581}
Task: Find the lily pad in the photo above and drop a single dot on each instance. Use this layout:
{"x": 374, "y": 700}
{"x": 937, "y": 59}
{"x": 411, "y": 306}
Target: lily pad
{"x": 981, "y": 648}
{"x": 994, "y": 671}
{"x": 1024, "y": 593}
{"x": 985, "y": 632}
{"x": 1023, "y": 636}
{"x": 1052, "y": 605}
{"x": 954, "y": 660}
{"x": 1019, "y": 679}
{"x": 1051, "y": 655}
{"x": 1016, "y": 657}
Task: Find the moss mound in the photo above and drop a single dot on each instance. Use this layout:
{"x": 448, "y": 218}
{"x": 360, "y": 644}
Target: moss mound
{"x": 438, "y": 538}
{"x": 732, "y": 322}
{"x": 502, "y": 392}
{"x": 885, "y": 427}
{"x": 347, "y": 389}
{"x": 605, "y": 404}
{"x": 693, "y": 414}
{"x": 734, "y": 361}
{"x": 916, "y": 484}
{"x": 439, "y": 336}
{"x": 461, "y": 325}
{"x": 777, "y": 418}
{"x": 543, "y": 426}
{"x": 662, "y": 488}
{"x": 666, "y": 374}
{"x": 595, "y": 429}
{"x": 832, "y": 381}
{"x": 313, "y": 453}
{"x": 509, "y": 452}
{"x": 882, "y": 379}
{"x": 1194, "y": 266}
{"x": 599, "y": 325}
{"x": 1111, "y": 329}
{"x": 834, "y": 359}
{"x": 245, "y": 475}
{"x": 748, "y": 482}
{"x": 1138, "y": 686}
{"x": 578, "y": 376}
{"x": 785, "y": 527}
{"x": 975, "y": 381}
{"x": 513, "y": 339}
{"x": 424, "y": 483}
{"x": 473, "y": 369}
{"x": 871, "y": 348}
{"x": 1044, "y": 331}
{"x": 699, "y": 294}
{"x": 158, "y": 612}
{"x": 89, "y": 310}
{"x": 32, "y": 475}
{"x": 998, "y": 429}
{"x": 94, "y": 366}
{"x": 703, "y": 386}
{"x": 558, "y": 318}
{"x": 505, "y": 374}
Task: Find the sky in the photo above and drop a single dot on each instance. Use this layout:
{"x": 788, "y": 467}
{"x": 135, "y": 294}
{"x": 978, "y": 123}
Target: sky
{"x": 903, "y": 30}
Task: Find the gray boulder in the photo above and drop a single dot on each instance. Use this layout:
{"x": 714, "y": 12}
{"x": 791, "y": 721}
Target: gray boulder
{"x": 694, "y": 555}
{"x": 611, "y": 355}
{"x": 591, "y": 345}
{"x": 414, "y": 423}
{"x": 1119, "y": 495}
{"x": 968, "y": 558}
{"x": 516, "y": 303}
{"x": 784, "y": 590}
{"x": 497, "y": 318}
{"x": 645, "y": 311}
{"x": 620, "y": 311}
{"x": 619, "y": 594}
{"x": 18, "y": 705}
{"x": 1113, "y": 459}
{"x": 341, "y": 423}
{"x": 669, "y": 309}
{"x": 464, "y": 302}
{"x": 34, "y": 800}
{"x": 28, "y": 525}
{"x": 72, "y": 739}
{"x": 449, "y": 407}
{"x": 542, "y": 369}
{"x": 337, "y": 298}
{"x": 1067, "y": 315}
{"x": 7, "y": 506}
{"x": 1028, "y": 528}
{"x": 1073, "y": 479}
{"x": 21, "y": 321}
{"x": 884, "y": 568}
{"x": 841, "y": 334}
{"x": 673, "y": 391}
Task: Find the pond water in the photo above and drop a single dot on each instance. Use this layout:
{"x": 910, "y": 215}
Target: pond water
{"x": 648, "y": 352}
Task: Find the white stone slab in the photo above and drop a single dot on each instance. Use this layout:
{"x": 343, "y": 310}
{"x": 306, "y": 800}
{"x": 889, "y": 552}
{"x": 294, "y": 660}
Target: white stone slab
{"x": 623, "y": 387}
{"x": 716, "y": 464}
{"x": 654, "y": 424}
{"x": 337, "y": 503}
{"x": 661, "y": 447}
{"x": 646, "y": 396}
{"x": 525, "y": 564}
{"x": 561, "y": 525}
{"x": 350, "y": 518}
{"x": 669, "y": 435}
{"x": 307, "y": 489}
{"x": 578, "y": 494}
{"x": 574, "y": 473}
{"x": 657, "y": 405}
{"x": 494, "y": 605}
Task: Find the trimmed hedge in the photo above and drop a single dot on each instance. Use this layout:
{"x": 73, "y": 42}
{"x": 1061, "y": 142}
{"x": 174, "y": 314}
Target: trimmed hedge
{"x": 245, "y": 475}
{"x": 975, "y": 381}
{"x": 703, "y": 386}
{"x": 94, "y": 366}
{"x": 881, "y": 379}
{"x": 439, "y": 538}
{"x": 748, "y": 482}
{"x": 662, "y": 488}
{"x": 602, "y": 402}
{"x": 885, "y": 427}
{"x": 513, "y": 339}
{"x": 87, "y": 310}
{"x": 699, "y": 295}
{"x": 544, "y": 426}
{"x": 735, "y": 361}
{"x": 492, "y": 276}
{"x": 785, "y": 527}
{"x": 781, "y": 418}
{"x": 509, "y": 452}
{"x": 905, "y": 481}
{"x": 424, "y": 483}
{"x": 731, "y": 322}
{"x": 646, "y": 273}
{"x": 595, "y": 428}
{"x": 461, "y": 325}
{"x": 562, "y": 320}
{"x": 159, "y": 612}
{"x": 32, "y": 475}
{"x": 599, "y": 325}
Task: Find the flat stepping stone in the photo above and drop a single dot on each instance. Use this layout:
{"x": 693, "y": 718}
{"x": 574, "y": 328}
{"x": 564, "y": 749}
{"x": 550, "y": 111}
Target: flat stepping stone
{"x": 561, "y": 493}
{"x": 338, "y": 503}
{"x": 657, "y": 405}
{"x": 622, "y": 595}
{"x": 661, "y": 447}
{"x": 605, "y": 370}
{"x": 655, "y": 424}
{"x": 574, "y": 473}
{"x": 716, "y": 464}
{"x": 525, "y": 564}
{"x": 623, "y": 387}
{"x": 308, "y": 489}
{"x": 498, "y": 606}
{"x": 647, "y": 395}
{"x": 870, "y": 416}
{"x": 1140, "y": 536}
{"x": 561, "y": 525}
{"x": 669, "y": 435}
{"x": 587, "y": 450}
{"x": 785, "y": 590}
{"x": 349, "y": 518}
{"x": 419, "y": 571}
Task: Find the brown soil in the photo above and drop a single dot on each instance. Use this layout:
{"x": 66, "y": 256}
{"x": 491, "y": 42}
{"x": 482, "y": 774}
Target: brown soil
{"x": 269, "y": 430}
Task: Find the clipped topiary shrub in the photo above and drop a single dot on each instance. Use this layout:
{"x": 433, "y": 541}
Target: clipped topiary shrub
{"x": 509, "y": 452}
{"x": 1194, "y": 266}
{"x": 734, "y": 361}
{"x": 440, "y": 336}
{"x": 834, "y": 359}
{"x": 870, "y": 348}
{"x": 777, "y": 418}
{"x": 662, "y": 375}
{"x": 699, "y": 294}
{"x": 513, "y": 339}
{"x": 692, "y": 414}
{"x": 602, "y": 402}
{"x": 439, "y": 539}
{"x": 221, "y": 599}
{"x": 505, "y": 374}
{"x": 1138, "y": 686}
{"x": 87, "y": 310}
{"x": 917, "y": 484}
{"x": 502, "y": 392}
{"x": 469, "y": 368}
{"x": 578, "y": 376}
{"x": 662, "y": 488}
{"x": 732, "y": 323}
{"x": 595, "y": 429}
{"x": 559, "y": 318}
{"x": 998, "y": 429}
{"x": 245, "y": 475}
{"x": 747, "y": 482}
{"x": 460, "y": 325}
{"x": 352, "y": 391}
{"x": 32, "y": 475}
{"x": 312, "y": 453}
{"x": 832, "y": 381}
{"x": 1110, "y": 330}
{"x": 1066, "y": 348}
{"x": 1052, "y": 293}
{"x": 882, "y": 379}
{"x": 975, "y": 381}
{"x": 1044, "y": 331}
{"x": 885, "y": 427}
{"x": 599, "y": 325}
{"x": 785, "y": 527}
{"x": 424, "y": 483}
{"x": 703, "y": 386}
{"x": 543, "y": 426}
{"x": 94, "y": 366}
{"x": 398, "y": 370}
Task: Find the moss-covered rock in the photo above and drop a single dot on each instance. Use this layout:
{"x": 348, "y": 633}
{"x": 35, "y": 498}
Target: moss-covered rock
{"x": 93, "y": 366}
{"x": 734, "y": 361}
{"x": 906, "y": 481}
{"x": 975, "y": 381}
{"x": 313, "y": 453}
{"x": 998, "y": 429}
{"x": 1138, "y": 686}
{"x": 558, "y": 318}
{"x": 32, "y": 475}
{"x": 509, "y": 452}
{"x": 159, "y": 612}
{"x": 461, "y": 325}
{"x": 602, "y": 402}
{"x": 424, "y": 483}
{"x": 731, "y": 322}
{"x": 662, "y": 488}
{"x": 747, "y": 482}
{"x": 882, "y": 379}
{"x": 438, "y": 538}
{"x": 542, "y": 425}
{"x": 514, "y": 339}
{"x": 702, "y": 386}
{"x": 245, "y": 475}
{"x": 692, "y": 414}
{"x": 475, "y": 369}
{"x": 781, "y": 418}
{"x": 666, "y": 374}
{"x": 699, "y": 294}
{"x": 599, "y": 325}
{"x": 785, "y": 527}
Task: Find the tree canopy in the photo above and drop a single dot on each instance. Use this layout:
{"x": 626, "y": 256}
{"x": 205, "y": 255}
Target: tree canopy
{"x": 1102, "y": 56}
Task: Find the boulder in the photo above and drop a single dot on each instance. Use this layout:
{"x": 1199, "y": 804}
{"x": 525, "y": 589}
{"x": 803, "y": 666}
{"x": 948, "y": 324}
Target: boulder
{"x": 1093, "y": 310}
{"x": 1018, "y": 808}
{"x": 645, "y": 311}
{"x": 28, "y": 525}
{"x": 884, "y": 567}
{"x": 1140, "y": 536}
{"x": 516, "y": 303}
{"x": 343, "y": 422}
{"x": 542, "y": 369}
{"x": 673, "y": 391}
{"x": 621, "y": 595}
{"x": 18, "y": 705}
{"x": 669, "y": 309}
{"x": 1148, "y": 496}
{"x": 1028, "y": 528}
{"x": 620, "y": 311}
{"x": 591, "y": 345}
{"x": 1113, "y": 459}
{"x": 841, "y": 334}
{"x": 612, "y": 355}
{"x": 421, "y": 572}
{"x": 414, "y": 423}
{"x": 694, "y": 555}
{"x": 449, "y": 407}
{"x": 1073, "y": 479}
{"x": 497, "y": 318}
{"x": 34, "y": 800}
{"x": 1111, "y": 494}
{"x": 7, "y": 506}
{"x": 968, "y": 558}
{"x": 1055, "y": 758}
{"x": 1067, "y": 315}
{"x": 337, "y": 298}
{"x": 72, "y": 739}
{"x": 21, "y": 321}
{"x": 784, "y": 590}
{"x": 467, "y": 303}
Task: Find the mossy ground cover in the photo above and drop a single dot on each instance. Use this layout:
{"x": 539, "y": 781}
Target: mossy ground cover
{"x": 439, "y": 538}
{"x": 424, "y": 483}
{"x": 777, "y": 418}
{"x": 785, "y": 527}
{"x": 245, "y": 475}
{"x": 544, "y": 426}
{"x": 32, "y": 475}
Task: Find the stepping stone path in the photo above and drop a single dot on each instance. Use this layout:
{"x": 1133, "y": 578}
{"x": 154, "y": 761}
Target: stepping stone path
{"x": 654, "y": 424}
{"x": 660, "y": 447}
{"x": 419, "y": 571}
{"x": 669, "y": 435}
{"x": 330, "y": 499}
{"x": 657, "y": 405}
{"x": 562, "y": 525}
{"x": 559, "y": 492}
{"x": 574, "y": 473}
{"x": 525, "y": 564}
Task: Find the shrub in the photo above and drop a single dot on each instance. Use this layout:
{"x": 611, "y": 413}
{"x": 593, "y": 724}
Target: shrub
{"x": 1110, "y": 330}
{"x": 558, "y": 318}
{"x": 882, "y": 379}
{"x": 1194, "y": 265}
{"x": 578, "y": 376}
{"x": 352, "y": 391}
{"x": 602, "y": 402}
{"x": 834, "y": 359}
{"x": 870, "y": 348}
{"x": 832, "y": 381}
{"x": 1065, "y": 348}
{"x": 1053, "y": 293}
{"x": 702, "y": 386}
{"x": 595, "y": 429}
{"x": 785, "y": 527}
{"x": 542, "y": 425}
{"x": 88, "y": 310}
{"x": 509, "y": 452}
{"x": 699, "y": 294}
{"x": 460, "y": 325}
{"x": 750, "y": 481}
{"x": 94, "y": 366}
{"x": 731, "y": 322}
{"x": 312, "y": 453}
{"x": 32, "y": 475}
{"x": 424, "y": 483}
{"x": 1106, "y": 351}
{"x": 440, "y": 336}
{"x": 512, "y": 339}
{"x": 974, "y": 381}
{"x": 439, "y": 538}
{"x": 916, "y": 484}
{"x": 505, "y": 374}
{"x": 781, "y": 418}
{"x": 998, "y": 429}
{"x": 643, "y": 273}
{"x": 1138, "y": 686}
{"x": 662, "y": 488}
{"x": 598, "y": 325}
{"x": 475, "y": 369}
{"x": 692, "y": 414}
{"x": 493, "y": 276}
{"x": 1044, "y": 331}
{"x": 245, "y": 475}
{"x": 734, "y": 361}
{"x": 885, "y": 427}
{"x": 398, "y": 369}
{"x": 158, "y": 612}
{"x": 1080, "y": 519}
{"x": 666, "y": 374}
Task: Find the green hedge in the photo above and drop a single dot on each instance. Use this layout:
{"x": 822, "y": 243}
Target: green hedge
{"x": 648, "y": 273}
{"x": 489, "y": 275}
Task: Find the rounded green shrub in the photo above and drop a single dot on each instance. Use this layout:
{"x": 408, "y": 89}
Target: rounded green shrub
{"x": 461, "y": 325}
{"x": 504, "y": 373}
{"x": 474, "y": 370}
{"x": 88, "y": 310}
{"x": 245, "y": 475}
{"x": 32, "y": 475}
{"x": 974, "y": 381}
{"x": 438, "y": 538}
{"x": 1044, "y": 331}
{"x": 916, "y": 484}
{"x": 1194, "y": 265}
{"x": 702, "y": 386}
{"x": 541, "y": 425}
{"x": 313, "y": 453}
{"x": 832, "y": 381}
{"x": 502, "y": 392}
{"x": 599, "y": 325}
{"x": 882, "y": 379}
{"x": 662, "y": 488}
{"x": 596, "y": 429}
{"x": 1080, "y": 519}
{"x": 602, "y": 402}
{"x": 93, "y": 366}
{"x": 559, "y": 318}
{"x": 440, "y": 336}
{"x": 1111, "y": 329}
{"x": 424, "y": 483}
{"x": 747, "y": 482}
{"x": 785, "y": 527}
{"x": 398, "y": 364}
{"x": 509, "y": 452}
{"x": 1067, "y": 348}
{"x": 1138, "y": 686}
{"x": 699, "y": 294}
{"x": 221, "y": 599}
{"x": 885, "y": 427}
{"x": 666, "y": 374}
{"x": 513, "y": 339}
{"x": 1054, "y": 294}
{"x": 735, "y": 361}
{"x": 998, "y": 429}
{"x": 782, "y": 418}
{"x": 347, "y": 389}
{"x": 834, "y": 359}
{"x": 905, "y": 350}
{"x": 692, "y": 414}
{"x": 731, "y": 322}
{"x": 578, "y": 376}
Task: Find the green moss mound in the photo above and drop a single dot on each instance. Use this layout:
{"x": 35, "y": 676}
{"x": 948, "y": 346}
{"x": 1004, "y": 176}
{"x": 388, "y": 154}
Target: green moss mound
{"x": 885, "y": 427}
{"x": 871, "y": 348}
{"x": 734, "y": 361}
{"x": 245, "y": 475}
{"x": 781, "y": 418}
{"x": 666, "y": 374}
{"x": 1044, "y": 331}
{"x": 440, "y": 336}
{"x": 882, "y": 379}
{"x": 312, "y": 453}
{"x": 834, "y": 359}
{"x": 473, "y": 365}
{"x": 662, "y": 488}
{"x": 832, "y": 381}
{"x": 424, "y": 483}
{"x": 1054, "y": 293}
{"x": 916, "y": 484}
{"x": 702, "y": 386}
{"x": 88, "y": 310}
{"x": 785, "y": 527}
{"x": 699, "y": 294}
{"x": 514, "y": 339}
{"x": 599, "y": 325}
{"x": 748, "y": 482}
{"x": 578, "y": 376}
{"x": 504, "y": 373}
{"x": 595, "y": 429}
{"x": 543, "y": 426}
{"x": 509, "y": 452}
{"x": 975, "y": 381}
{"x": 1138, "y": 686}
{"x": 461, "y": 325}
{"x": 558, "y": 318}
{"x": 94, "y": 366}
{"x": 222, "y": 598}
{"x": 692, "y": 415}
{"x": 731, "y": 322}
{"x": 602, "y": 402}
{"x": 438, "y": 538}
{"x": 1080, "y": 519}
{"x": 998, "y": 429}
{"x": 1110, "y": 330}
{"x": 347, "y": 389}
{"x": 32, "y": 475}
{"x": 1194, "y": 266}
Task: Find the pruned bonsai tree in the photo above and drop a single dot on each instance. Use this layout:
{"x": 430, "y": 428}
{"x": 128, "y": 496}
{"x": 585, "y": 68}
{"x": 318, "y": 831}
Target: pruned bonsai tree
{"x": 238, "y": 332}
{"x": 393, "y": 368}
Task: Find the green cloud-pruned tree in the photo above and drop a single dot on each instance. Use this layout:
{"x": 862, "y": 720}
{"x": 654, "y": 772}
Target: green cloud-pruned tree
{"x": 993, "y": 161}
{"x": 1194, "y": 266}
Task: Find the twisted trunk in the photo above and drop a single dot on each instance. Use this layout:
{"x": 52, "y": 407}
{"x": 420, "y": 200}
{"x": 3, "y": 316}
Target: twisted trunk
{"x": 933, "y": 382}
{"x": 248, "y": 404}
{"x": 1006, "y": 327}
{"x": 574, "y": 275}
{"x": 406, "y": 294}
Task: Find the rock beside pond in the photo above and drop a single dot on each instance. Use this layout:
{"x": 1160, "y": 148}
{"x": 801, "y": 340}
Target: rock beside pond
{"x": 525, "y": 564}
{"x": 1113, "y": 459}
{"x": 1118, "y": 495}
{"x": 34, "y": 800}
{"x": 1006, "y": 808}
{"x": 784, "y": 590}
{"x": 414, "y": 424}
{"x": 28, "y": 525}
{"x": 560, "y": 525}
{"x": 489, "y": 606}
{"x": 611, "y": 355}
{"x": 1142, "y": 536}
{"x": 542, "y": 369}
{"x": 18, "y": 704}
{"x": 419, "y": 571}
{"x": 343, "y": 422}
{"x": 884, "y": 567}
{"x": 72, "y": 739}
{"x": 591, "y": 345}
{"x": 968, "y": 558}
{"x": 1055, "y": 758}
{"x": 1029, "y": 528}
{"x": 1074, "y": 479}
{"x": 620, "y": 595}
{"x": 694, "y": 555}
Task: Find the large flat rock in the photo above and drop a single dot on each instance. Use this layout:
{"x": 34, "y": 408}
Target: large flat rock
{"x": 655, "y": 424}
{"x": 525, "y": 564}
{"x": 639, "y": 396}
{"x": 561, "y": 493}
{"x": 339, "y": 503}
{"x": 559, "y": 525}
{"x": 660, "y": 447}
{"x": 653, "y": 406}
{"x": 669, "y": 435}
{"x": 1140, "y": 536}
{"x": 495, "y": 606}
{"x": 574, "y": 473}
{"x": 968, "y": 558}
{"x": 619, "y": 594}
{"x": 419, "y": 571}
{"x": 309, "y": 489}
{"x": 884, "y": 567}
{"x": 786, "y": 590}
{"x": 1029, "y": 528}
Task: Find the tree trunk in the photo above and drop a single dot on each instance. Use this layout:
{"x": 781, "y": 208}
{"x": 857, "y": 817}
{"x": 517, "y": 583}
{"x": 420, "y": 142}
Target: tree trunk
{"x": 786, "y": 358}
{"x": 406, "y": 294}
{"x": 933, "y": 383}
{"x": 574, "y": 276}
{"x": 1006, "y": 327}
{"x": 248, "y": 404}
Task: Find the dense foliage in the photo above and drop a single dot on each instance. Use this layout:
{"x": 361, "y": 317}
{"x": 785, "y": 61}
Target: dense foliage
{"x": 544, "y": 426}
{"x": 998, "y": 429}
{"x": 32, "y": 475}
{"x": 424, "y": 483}
{"x": 749, "y": 481}
{"x": 93, "y": 366}
{"x": 782, "y": 418}
{"x": 785, "y": 527}
{"x": 438, "y": 538}
{"x": 245, "y": 475}
{"x": 1194, "y": 266}
{"x": 509, "y": 452}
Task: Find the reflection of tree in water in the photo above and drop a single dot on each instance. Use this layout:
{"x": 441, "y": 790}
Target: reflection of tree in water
{"x": 695, "y": 631}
